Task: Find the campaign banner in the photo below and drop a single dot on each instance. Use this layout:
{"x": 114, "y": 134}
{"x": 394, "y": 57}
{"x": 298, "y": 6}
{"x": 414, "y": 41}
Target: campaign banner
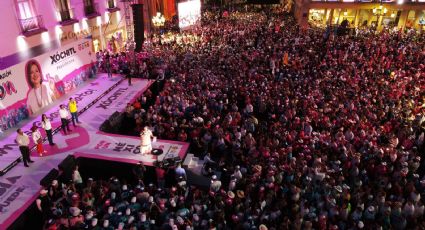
{"x": 29, "y": 86}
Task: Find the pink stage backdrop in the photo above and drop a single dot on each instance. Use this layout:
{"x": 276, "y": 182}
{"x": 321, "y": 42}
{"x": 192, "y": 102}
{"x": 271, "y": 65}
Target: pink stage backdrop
{"x": 27, "y": 87}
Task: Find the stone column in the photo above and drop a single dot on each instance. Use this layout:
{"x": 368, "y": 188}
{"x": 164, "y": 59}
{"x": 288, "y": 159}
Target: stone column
{"x": 418, "y": 15}
{"x": 356, "y": 18}
{"x": 331, "y": 16}
{"x": 403, "y": 19}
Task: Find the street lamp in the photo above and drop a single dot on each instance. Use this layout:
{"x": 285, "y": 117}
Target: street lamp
{"x": 158, "y": 20}
{"x": 379, "y": 11}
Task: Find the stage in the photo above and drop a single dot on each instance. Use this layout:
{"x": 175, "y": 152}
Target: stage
{"x": 20, "y": 186}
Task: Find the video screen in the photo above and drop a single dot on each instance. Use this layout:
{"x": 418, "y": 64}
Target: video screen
{"x": 189, "y": 13}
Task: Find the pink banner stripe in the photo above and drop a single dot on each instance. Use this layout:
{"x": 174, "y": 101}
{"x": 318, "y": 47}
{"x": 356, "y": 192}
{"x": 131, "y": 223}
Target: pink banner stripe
{"x": 182, "y": 153}
{"x": 133, "y": 137}
{"x": 108, "y": 158}
{"x": 18, "y": 212}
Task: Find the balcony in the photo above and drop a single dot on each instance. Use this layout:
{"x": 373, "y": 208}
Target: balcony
{"x": 91, "y": 11}
{"x": 67, "y": 17}
{"x": 112, "y": 7}
{"x": 32, "y": 26}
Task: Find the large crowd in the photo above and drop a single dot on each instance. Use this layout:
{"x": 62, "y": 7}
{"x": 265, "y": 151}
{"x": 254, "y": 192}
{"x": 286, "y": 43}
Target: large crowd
{"x": 302, "y": 129}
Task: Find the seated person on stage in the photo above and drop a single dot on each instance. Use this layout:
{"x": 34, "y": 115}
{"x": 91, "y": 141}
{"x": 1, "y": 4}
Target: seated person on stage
{"x": 146, "y": 141}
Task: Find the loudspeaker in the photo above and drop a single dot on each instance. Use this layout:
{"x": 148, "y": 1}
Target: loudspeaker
{"x": 47, "y": 180}
{"x": 116, "y": 119}
{"x": 139, "y": 26}
{"x": 106, "y": 127}
{"x": 156, "y": 152}
{"x": 68, "y": 164}
{"x": 113, "y": 124}
{"x": 168, "y": 163}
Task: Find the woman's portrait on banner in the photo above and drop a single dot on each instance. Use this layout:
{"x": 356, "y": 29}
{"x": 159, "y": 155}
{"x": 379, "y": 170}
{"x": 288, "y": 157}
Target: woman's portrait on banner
{"x": 40, "y": 94}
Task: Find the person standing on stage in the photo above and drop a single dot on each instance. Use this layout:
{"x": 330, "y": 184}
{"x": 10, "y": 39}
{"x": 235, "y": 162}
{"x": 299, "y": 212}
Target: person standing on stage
{"x": 108, "y": 66}
{"x": 64, "y": 115}
{"x": 38, "y": 139}
{"x": 146, "y": 142}
{"x": 72, "y": 106}
{"x": 129, "y": 75}
{"x": 23, "y": 141}
{"x": 47, "y": 126}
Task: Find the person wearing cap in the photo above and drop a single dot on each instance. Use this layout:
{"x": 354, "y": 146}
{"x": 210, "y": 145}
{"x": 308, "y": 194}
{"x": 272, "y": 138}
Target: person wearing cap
{"x": 23, "y": 141}
{"x": 262, "y": 227}
{"x": 240, "y": 194}
{"x": 134, "y": 205}
{"x": 237, "y": 174}
{"x": 215, "y": 184}
{"x": 180, "y": 172}
{"x": 51, "y": 225}
{"x": 94, "y": 224}
{"x": 107, "y": 226}
{"x": 76, "y": 218}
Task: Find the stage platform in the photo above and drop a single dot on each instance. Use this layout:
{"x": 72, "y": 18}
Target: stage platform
{"x": 20, "y": 186}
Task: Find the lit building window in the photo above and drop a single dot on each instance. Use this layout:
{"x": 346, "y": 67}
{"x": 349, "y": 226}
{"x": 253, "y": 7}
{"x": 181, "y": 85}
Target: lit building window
{"x": 90, "y": 8}
{"x": 111, "y": 4}
{"x": 64, "y": 12}
{"x": 25, "y": 9}
{"x": 29, "y": 22}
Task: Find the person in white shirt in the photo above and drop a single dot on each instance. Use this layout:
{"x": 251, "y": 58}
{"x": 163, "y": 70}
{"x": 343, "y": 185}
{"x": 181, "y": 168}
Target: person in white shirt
{"x": 237, "y": 174}
{"x": 64, "y": 115}
{"x": 37, "y": 139}
{"x": 47, "y": 126}
{"x": 215, "y": 184}
{"x": 76, "y": 178}
{"x": 146, "y": 142}
{"x": 23, "y": 141}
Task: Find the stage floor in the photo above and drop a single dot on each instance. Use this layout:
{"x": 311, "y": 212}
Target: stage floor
{"x": 21, "y": 185}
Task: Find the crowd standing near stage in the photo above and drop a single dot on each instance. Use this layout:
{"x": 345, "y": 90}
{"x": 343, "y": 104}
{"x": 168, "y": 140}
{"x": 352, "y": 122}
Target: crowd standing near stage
{"x": 308, "y": 130}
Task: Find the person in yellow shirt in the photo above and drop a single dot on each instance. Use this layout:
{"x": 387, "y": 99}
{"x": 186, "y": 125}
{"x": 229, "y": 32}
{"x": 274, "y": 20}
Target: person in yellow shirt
{"x": 72, "y": 106}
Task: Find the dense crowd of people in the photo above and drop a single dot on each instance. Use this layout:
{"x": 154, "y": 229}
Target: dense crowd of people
{"x": 302, "y": 129}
